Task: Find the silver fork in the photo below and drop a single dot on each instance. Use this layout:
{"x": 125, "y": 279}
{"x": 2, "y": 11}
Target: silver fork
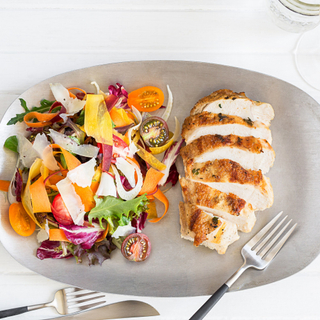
{"x": 257, "y": 253}
{"x": 66, "y": 301}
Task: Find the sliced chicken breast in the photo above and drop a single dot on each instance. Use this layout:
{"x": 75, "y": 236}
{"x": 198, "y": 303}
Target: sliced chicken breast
{"x": 206, "y": 123}
{"x": 227, "y": 206}
{"x": 229, "y": 177}
{"x": 250, "y": 152}
{"x": 205, "y": 229}
{"x": 231, "y": 103}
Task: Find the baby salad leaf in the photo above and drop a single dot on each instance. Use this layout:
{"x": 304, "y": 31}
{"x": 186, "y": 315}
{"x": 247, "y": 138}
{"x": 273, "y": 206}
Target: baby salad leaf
{"x": 44, "y": 106}
{"x": 12, "y": 143}
{"x": 117, "y": 211}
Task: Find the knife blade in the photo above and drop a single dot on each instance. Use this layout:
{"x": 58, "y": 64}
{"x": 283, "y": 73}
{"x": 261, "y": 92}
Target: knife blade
{"x": 122, "y": 309}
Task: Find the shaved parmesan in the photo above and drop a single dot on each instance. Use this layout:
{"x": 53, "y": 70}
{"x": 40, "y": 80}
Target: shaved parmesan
{"x": 42, "y": 146}
{"x": 123, "y": 231}
{"x": 106, "y": 186}
{"x": 85, "y": 150}
{"x": 61, "y": 94}
{"x": 27, "y": 154}
{"x": 131, "y": 194}
{"x": 72, "y": 200}
{"x": 127, "y": 169}
{"x": 82, "y": 174}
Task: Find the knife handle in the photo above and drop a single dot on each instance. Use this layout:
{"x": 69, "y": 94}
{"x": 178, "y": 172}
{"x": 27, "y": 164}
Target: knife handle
{"x": 13, "y": 312}
{"x": 201, "y": 313}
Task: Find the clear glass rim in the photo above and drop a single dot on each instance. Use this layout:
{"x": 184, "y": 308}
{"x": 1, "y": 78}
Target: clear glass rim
{"x": 300, "y": 7}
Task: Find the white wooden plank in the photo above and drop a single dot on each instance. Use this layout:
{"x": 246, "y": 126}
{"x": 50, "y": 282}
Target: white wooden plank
{"x": 137, "y": 5}
{"x": 65, "y": 31}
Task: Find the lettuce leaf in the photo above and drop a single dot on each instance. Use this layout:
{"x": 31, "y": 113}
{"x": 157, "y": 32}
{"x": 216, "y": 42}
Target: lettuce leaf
{"x": 117, "y": 212}
{"x": 12, "y": 143}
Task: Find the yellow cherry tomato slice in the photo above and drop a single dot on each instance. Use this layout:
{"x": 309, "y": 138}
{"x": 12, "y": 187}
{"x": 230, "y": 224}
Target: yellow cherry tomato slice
{"x": 146, "y": 99}
{"x": 20, "y": 221}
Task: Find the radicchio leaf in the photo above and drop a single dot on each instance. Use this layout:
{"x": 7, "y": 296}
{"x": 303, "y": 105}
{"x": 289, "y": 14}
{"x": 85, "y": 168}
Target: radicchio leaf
{"x": 139, "y": 222}
{"x": 86, "y": 236}
{"x": 18, "y": 185}
{"x": 52, "y": 249}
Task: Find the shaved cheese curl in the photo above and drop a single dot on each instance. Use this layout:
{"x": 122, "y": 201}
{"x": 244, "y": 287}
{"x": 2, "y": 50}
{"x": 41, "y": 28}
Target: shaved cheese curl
{"x": 71, "y": 200}
{"x": 82, "y": 174}
{"x": 131, "y": 194}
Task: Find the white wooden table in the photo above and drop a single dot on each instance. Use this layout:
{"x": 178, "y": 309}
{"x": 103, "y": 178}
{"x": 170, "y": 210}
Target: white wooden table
{"x": 40, "y": 39}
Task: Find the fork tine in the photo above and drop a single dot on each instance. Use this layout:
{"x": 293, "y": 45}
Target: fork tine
{"x": 266, "y": 239}
{"x": 81, "y": 300}
{"x": 86, "y": 307}
{"x": 273, "y": 241}
{"x": 263, "y": 231}
{"x": 279, "y": 245}
{"x": 78, "y": 297}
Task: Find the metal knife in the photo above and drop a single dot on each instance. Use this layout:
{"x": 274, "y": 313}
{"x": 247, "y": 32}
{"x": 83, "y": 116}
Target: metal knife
{"x": 122, "y": 309}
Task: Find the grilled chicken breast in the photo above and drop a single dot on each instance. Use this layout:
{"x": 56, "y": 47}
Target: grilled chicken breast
{"x": 250, "y": 152}
{"x": 231, "y": 103}
{"x": 229, "y": 177}
{"x": 205, "y": 229}
{"x": 227, "y": 206}
{"x": 206, "y": 123}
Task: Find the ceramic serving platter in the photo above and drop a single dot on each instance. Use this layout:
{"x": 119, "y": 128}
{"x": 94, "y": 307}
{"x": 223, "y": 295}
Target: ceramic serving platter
{"x": 175, "y": 267}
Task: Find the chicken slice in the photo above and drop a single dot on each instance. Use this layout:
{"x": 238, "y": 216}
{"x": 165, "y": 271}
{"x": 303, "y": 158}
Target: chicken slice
{"x": 205, "y": 229}
{"x": 206, "y": 123}
{"x": 237, "y": 104}
{"x": 250, "y": 152}
{"x": 229, "y": 177}
{"x": 227, "y": 206}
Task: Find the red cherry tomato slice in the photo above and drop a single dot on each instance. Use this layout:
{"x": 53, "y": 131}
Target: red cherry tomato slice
{"x": 154, "y": 131}
{"x": 60, "y": 211}
{"x": 136, "y": 247}
{"x": 146, "y": 99}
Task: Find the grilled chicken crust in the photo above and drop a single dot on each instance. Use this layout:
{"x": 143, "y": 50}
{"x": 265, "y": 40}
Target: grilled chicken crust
{"x": 205, "y": 229}
{"x": 228, "y": 176}
{"x": 250, "y": 152}
{"x": 201, "y": 194}
{"x": 210, "y": 123}
{"x": 226, "y": 206}
{"x": 228, "y": 102}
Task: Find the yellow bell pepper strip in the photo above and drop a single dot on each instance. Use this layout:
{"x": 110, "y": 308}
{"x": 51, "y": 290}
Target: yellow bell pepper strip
{"x": 152, "y": 210}
{"x": 39, "y": 197}
{"x": 4, "y": 185}
{"x": 161, "y": 197}
{"x": 120, "y": 118}
{"x": 98, "y": 122}
{"x": 26, "y": 195}
{"x": 44, "y": 119}
{"x": 151, "y": 181}
{"x": 150, "y": 159}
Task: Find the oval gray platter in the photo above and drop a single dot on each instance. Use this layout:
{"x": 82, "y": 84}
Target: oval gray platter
{"x": 175, "y": 267}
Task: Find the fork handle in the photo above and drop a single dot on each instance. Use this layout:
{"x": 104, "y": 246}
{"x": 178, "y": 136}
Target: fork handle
{"x": 13, "y": 312}
{"x": 201, "y": 313}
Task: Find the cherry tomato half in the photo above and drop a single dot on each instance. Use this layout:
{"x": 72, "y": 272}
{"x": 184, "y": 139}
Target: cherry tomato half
{"x": 60, "y": 211}
{"x": 146, "y": 99}
{"x": 136, "y": 247}
{"x": 20, "y": 221}
{"x": 154, "y": 131}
